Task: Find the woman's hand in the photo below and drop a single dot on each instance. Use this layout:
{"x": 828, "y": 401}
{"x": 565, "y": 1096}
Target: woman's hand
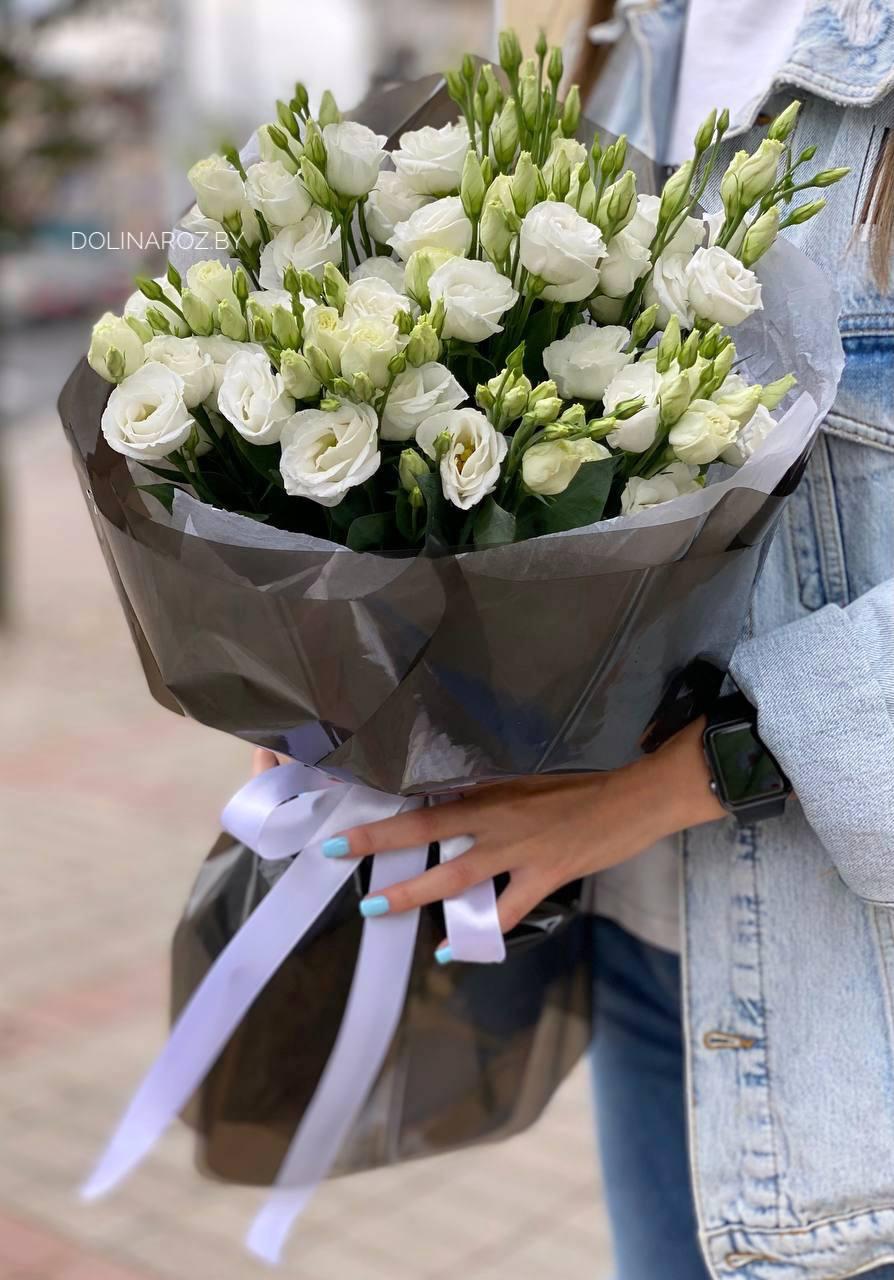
{"x": 543, "y": 831}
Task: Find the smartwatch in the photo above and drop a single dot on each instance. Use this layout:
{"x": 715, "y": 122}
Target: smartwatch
{"x": 745, "y": 778}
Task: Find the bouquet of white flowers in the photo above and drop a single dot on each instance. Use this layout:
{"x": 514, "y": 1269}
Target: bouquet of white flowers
{"x": 410, "y": 482}
{"x": 456, "y": 342}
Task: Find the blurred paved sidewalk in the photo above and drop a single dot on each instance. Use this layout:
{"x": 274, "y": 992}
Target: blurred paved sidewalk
{"x": 108, "y": 805}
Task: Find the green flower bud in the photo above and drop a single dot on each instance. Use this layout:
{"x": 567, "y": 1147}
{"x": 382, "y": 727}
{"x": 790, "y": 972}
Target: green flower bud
{"x": 308, "y": 284}
{"x": 150, "y": 289}
{"x": 555, "y": 68}
{"x": 397, "y": 364}
{"x": 241, "y": 285}
{"x": 705, "y": 133}
{"x": 807, "y": 154}
{"x": 158, "y": 320}
{"x": 489, "y": 93}
{"x": 720, "y": 366}
{"x": 231, "y": 321}
{"x": 524, "y": 184}
{"x": 468, "y": 68}
{"x": 286, "y": 118}
{"x": 314, "y": 146}
{"x": 115, "y": 364}
{"x": 409, "y": 468}
{"x": 515, "y": 362}
{"x": 441, "y": 444}
{"x": 544, "y": 411}
{"x": 174, "y": 278}
{"x": 617, "y": 206}
{"x": 586, "y": 202}
{"x": 330, "y": 404}
{"x": 723, "y": 121}
{"x": 335, "y": 287}
{"x": 574, "y": 417}
{"x": 301, "y": 97}
{"x": 829, "y": 176}
{"x": 571, "y": 112}
{"x": 543, "y": 391}
{"x": 329, "y": 112}
{"x": 437, "y": 315}
{"x": 643, "y": 326}
{"x": 740, "y": 405}
{"x": 749, "y": 177}
{"x": 710, "y": 344}
{"x": 775, "y": 392}
{"x": 759, "y": 236}
{"x": 290, "y": 281}
{"x": 495, "y": 230}
{"x": 673, "y": 400}
{"x": 509, "y": 52}
{"x": 472, "y": 188}
{"x": 627, "y": 408}
{"x": 142, "y": 329}
{"x": 417, "y": 499}
{"x": 456, "y": 87}
{"x": 298, "y": 377}
{"x": 675, "y": 195}
{"x": 484, "y": 397}
{"x": 504, "y": 136}
{"x": 317, "y": 186}
{"x": 669, "y": 346}
{"x": 341, "y": 387}
{"x": 285, "y": 327}
{"x": 320, "y": 364}
{"x": 529, "y": 100}
{"x": 363, "y": 387}
{"x": 259, "y": 326}
{"x": 785, "y": 122}
{"x": 198, "y": 314}
{"x": 689, "y": 352}
{"x": 541, "y": 45}
{"x": 560, "y": 181}
{"x": 515, "y": 401}
{"x": 424, "y": 346}
{"x": 418, "y": 271}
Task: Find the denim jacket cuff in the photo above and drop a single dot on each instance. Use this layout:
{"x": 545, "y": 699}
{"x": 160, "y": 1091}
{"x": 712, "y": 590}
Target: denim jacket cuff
{"x": 824, "y": 691}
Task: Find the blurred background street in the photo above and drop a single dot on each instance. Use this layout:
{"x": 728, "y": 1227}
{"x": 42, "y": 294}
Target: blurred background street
{"x": 108, "y": 803}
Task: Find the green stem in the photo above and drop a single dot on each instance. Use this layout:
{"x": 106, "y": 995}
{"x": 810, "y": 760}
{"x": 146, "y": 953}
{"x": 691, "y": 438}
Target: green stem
{"x": 364, "y": 232}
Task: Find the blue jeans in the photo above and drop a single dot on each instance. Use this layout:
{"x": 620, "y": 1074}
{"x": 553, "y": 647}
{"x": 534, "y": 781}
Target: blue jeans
{"x": 638, "y": 1085}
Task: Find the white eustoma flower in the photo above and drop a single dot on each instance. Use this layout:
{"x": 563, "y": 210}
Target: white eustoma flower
{"x": 113, "y": 332}
{"x": 306, "y": 246}
{"x": 212, "y": 282}
{"x": 391, "y": 201}
{"x": 721, "y": 289}
{"x": 354, "y": 155}
{"x": 751, "y": 436}
{"x": 475, "y": 296}
{"x": 640, "y": 494}
{"x": 373, "y": 296}
{"x": 323, "y": 328}
{"x": 625, "y": 262}
{"x": 252, "y": 397}
{"x": 668, "y": 285}
{"x": 440, "y": 225}
{"x": 639, "y": 380}
{"x": 186, "y": 358}
{"x": 138, "y": 304}
{"x": 324, "y": 454}
{"x": 471, "y": 457}
{"x": 221, "y": 349}
{"x": 548, "y": 468}
{"x": 380, "y": 268}
{"x": 703, "y": 432}
{"x": 417, "y": 394}
{"x": 146, "y": 417}
{"x": 277, "y": 193}
{"x": 431, "y": 160}
{"x": 583, "y": 363}
{"x": 562, "y": 248}
{"x": 220, "y": 191}
{"x": 644, "y": 223}
{"x": 211, "y": 236}
{"x": 371, "y": 343}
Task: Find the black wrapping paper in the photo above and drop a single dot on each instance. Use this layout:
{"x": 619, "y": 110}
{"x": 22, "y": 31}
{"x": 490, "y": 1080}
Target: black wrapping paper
{"x": 479, "y": 1052}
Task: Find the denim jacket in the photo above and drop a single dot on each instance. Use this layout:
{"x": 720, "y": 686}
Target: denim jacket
{"x": 789, "y": 925}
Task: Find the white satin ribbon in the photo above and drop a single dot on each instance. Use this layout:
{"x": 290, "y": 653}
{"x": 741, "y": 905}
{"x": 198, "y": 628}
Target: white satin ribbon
{"x": 283, "y": 811}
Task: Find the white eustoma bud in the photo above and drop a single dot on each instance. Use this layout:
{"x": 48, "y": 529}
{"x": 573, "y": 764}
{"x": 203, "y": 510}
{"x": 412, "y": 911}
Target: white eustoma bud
{"x": 113, "y": 333}
{"x": 219, "y": 189}
{"x": 297, "y": 376}
{"x": 470, "y": 459}
{"x": 702, "y": 433}
{"x": 548, "y": 468}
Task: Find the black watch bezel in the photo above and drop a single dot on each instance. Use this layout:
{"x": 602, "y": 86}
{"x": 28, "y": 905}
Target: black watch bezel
{"x": 734, "y": 713}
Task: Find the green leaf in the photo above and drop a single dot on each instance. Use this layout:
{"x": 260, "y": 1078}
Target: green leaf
{"x": 166, "y": 473}
{"x": 582, "y": 503}
{"x": 493, "y": 526}
{"x": 263, "y": 458}
{"x": 353, "y": 505}
{"x": 164, "y": 493}
{"x": 371, "y": 533}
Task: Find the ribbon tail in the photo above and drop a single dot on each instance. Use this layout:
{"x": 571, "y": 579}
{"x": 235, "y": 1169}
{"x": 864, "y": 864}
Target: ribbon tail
{"x": 473, "y": 925}
{"x": 216, "y": 1008}
{"x": 371, "y": 1018}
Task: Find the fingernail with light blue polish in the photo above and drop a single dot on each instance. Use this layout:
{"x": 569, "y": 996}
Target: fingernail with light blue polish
{"x": 336, "y": 847}
{"x": 444, "y": 954}
{"x": 374, "y": 906}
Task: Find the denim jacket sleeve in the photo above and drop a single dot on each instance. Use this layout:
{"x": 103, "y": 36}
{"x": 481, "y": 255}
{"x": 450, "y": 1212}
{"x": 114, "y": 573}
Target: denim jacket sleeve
{"x": 824, "y": 690}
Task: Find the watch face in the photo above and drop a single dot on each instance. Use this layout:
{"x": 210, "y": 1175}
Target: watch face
{"x": 745, "y": 770}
